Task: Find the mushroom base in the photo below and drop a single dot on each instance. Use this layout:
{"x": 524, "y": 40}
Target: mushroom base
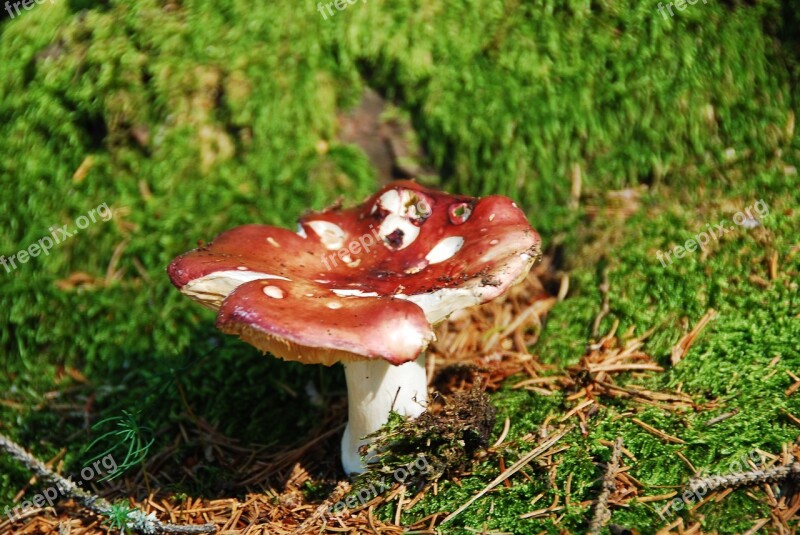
{"x": 374, "y": 388}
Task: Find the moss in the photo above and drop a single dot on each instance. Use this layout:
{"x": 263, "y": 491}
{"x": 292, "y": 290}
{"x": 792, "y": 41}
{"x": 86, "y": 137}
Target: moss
{"x": 441, "y": 442}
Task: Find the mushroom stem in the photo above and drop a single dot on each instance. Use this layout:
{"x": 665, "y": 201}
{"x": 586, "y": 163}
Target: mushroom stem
{"x": 374, "y": 388}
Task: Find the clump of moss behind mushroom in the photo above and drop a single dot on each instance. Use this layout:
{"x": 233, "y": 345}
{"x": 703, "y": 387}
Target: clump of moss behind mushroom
{"x": 448, "y": 437}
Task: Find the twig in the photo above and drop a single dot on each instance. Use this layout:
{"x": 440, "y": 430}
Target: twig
{"x": 147, "y": 524}
{"x": 601, "y": 513}
{"x": 575, "y": 189}
{"x": 721, "y": 417}
{"x": 604, "y": 308}
{"x": 513, "y": 469}
{"x": 743, "y": 479}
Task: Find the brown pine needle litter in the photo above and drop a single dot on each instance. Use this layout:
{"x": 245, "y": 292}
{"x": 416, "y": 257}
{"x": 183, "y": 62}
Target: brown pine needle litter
{"x": 491, "y": 341}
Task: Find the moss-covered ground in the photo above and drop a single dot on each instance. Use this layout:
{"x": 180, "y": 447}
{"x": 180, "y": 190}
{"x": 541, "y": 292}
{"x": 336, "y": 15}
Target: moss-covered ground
{"x": 187, "y": 117}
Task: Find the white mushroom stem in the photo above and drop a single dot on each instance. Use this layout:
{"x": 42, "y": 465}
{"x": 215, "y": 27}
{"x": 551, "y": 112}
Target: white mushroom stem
{"x": 375, "y": 387}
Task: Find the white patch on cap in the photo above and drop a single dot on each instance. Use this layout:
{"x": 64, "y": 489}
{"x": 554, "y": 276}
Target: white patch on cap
{"x": 417, "y": 267}
{"x": 393, "y": 223}
{"x": 272, "y": 242}
{"x": 405, "y": 209}
{"x": 494, "y": 242}
{"x": 414, "y": 206}
{"x": 491, "y": 217}
{"x": 511, "y": 264}
{"x": 445, "y": 249}
{"x": 334, "y": 305}
{"x": 212, "y": 289}
{"x": 242, "y": 268}
{"x": 390, "y": 201}
{"x": 273, "y": 292}
{"x": 354, "y": 293}
{"x": 441, "y": 303}
{"x": 404, "y": 202}
{"x": 331, "y": 234}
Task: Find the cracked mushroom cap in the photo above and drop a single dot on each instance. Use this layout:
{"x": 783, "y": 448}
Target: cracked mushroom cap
{"x": 366, "y": 282}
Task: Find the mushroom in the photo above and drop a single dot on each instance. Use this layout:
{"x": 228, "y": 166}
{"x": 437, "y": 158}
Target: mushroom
{"x": 363, "y": 286}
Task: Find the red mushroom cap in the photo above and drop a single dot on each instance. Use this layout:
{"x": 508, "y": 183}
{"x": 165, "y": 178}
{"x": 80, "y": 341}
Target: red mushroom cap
{"x": 361, "y": 283}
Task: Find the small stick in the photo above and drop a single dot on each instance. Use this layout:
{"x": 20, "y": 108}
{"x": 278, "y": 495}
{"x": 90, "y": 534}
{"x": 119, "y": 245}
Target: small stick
{"x": 721, "y": 417}
{"x": 743, "y": 479}
{"x": 601, "y": 513}
{"x": 147, "y": 524}
{"x": 604, "y": 308}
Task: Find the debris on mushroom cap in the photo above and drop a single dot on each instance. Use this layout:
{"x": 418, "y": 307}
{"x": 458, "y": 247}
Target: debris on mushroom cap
{"x": 363, "y": 282}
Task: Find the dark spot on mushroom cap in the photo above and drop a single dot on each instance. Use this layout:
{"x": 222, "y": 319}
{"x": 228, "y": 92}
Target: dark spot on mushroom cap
{"x": 395, "y": 238}
{"x": 490, "y": 281}
{"x": 381, "y": 274}
{"x": 379, "y": 214}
